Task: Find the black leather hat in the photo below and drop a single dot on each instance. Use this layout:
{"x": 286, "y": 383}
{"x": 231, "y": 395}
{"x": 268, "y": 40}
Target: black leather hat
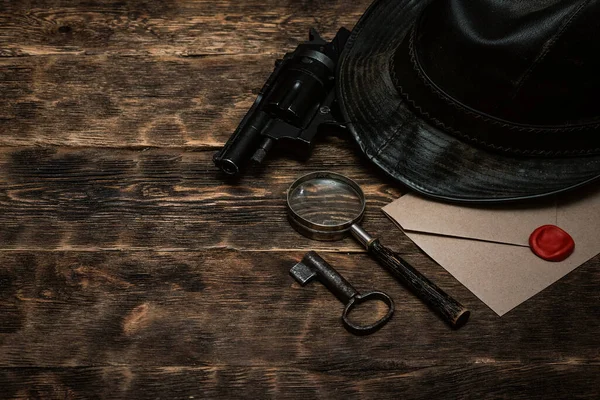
{"x": 477, "y": 100}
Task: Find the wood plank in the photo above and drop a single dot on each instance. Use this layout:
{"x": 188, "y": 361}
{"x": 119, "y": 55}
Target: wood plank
{"x": 512, "y": 381}
{"x": 127, "y": 102}
{"x": 159, "y": 309}
{"x": 167, "y": 27}
{"x": 108, "y": 101}
{"x": 89, "y": 199}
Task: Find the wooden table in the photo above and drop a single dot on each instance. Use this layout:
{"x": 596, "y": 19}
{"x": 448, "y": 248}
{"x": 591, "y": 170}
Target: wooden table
{"x": 130, "y": 269}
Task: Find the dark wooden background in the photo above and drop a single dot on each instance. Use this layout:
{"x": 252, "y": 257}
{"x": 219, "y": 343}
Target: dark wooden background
{"x": 130, "y": 269}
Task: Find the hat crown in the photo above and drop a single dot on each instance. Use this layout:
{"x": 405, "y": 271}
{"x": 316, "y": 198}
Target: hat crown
{"x": 432, "y": 135}
{"x": 526, "y": 62}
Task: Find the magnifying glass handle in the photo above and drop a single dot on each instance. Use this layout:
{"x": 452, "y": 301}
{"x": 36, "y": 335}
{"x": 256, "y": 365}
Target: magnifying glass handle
{"x": 447, "y": 307}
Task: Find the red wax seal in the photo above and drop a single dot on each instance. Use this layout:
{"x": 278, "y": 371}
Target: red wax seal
{"x": 551, "y": 243}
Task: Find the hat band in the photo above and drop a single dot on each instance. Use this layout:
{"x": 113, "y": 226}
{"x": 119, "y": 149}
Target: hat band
{"x": 458, "y": 119}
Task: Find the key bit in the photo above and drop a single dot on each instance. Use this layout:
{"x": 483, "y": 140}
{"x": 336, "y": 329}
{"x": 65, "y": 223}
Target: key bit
{"x": 302, "y": 274}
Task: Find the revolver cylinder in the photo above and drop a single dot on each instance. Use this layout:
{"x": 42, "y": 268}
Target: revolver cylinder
{"x": 303, "y": 88}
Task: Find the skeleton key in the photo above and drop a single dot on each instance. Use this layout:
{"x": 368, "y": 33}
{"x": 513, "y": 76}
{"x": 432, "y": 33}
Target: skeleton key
{"x": 313, "y": 266}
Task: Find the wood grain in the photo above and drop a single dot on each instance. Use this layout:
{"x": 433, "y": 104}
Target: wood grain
{"x": 116, "y": 101}
{"x": 91, "y": 199}
{"x": 168, "y": 27}
{"x": 489, "y": 381}
{"x": 120, "y": 74}
{"x": 243, "y": 309}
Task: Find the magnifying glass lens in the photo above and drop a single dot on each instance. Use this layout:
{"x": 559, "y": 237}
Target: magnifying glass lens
{"x": 325, "y": 201}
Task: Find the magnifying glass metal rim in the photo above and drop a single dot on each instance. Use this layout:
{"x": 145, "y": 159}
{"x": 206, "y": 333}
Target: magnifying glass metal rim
{"x": 321, "y": 231}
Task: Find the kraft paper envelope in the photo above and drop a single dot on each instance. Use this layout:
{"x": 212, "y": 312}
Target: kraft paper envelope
{"x": 486, "y": 248}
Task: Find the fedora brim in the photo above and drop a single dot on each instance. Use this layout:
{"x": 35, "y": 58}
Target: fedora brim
{"x": 418, "y": 154}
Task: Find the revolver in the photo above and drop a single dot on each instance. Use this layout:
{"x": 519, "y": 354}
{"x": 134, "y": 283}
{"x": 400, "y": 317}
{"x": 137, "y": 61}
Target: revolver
{"x": 295, "y": 102}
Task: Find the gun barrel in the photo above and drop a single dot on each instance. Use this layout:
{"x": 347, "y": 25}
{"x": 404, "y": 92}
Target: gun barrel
{"x": 242, "y": 147}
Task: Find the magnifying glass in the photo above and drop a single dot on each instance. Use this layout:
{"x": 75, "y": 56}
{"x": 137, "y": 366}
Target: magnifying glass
{"x": 329, "y": 206}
